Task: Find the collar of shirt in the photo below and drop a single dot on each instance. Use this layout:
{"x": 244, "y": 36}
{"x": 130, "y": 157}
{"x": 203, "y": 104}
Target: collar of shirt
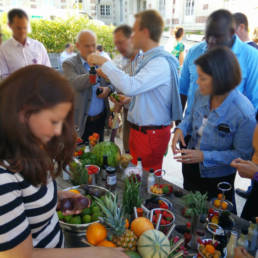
{"x": 147, "y": 53}
{"x": 222, "y": 109}
{"x": 85, "y": 64}
{"x": 17, "y": 43}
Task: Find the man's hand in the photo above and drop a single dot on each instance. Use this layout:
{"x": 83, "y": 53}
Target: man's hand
{"x": 190, "y": 156}
{"x": 123, "y": 100}
{"x": 245, "y": 168}
{"x": 105, "y": 92}
{"x": 101, "y": 74}
{"x": 240, "y": 252}
{"x": 96, "y": 59}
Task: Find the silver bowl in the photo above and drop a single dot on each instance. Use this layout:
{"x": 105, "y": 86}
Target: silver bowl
{"x": 79, "y": 228}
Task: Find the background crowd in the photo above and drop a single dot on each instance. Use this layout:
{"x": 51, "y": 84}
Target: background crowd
{"x": 211, "y": 94}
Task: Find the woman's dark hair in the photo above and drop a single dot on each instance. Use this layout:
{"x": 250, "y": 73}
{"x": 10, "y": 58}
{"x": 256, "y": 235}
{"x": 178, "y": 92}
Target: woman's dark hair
{"x": 179, "y": 32}
{"x": 28, "y": 91}
{"x": 221, "y": 64}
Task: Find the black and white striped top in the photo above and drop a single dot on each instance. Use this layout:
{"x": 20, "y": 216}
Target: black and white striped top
{"x": 26, "y": 209}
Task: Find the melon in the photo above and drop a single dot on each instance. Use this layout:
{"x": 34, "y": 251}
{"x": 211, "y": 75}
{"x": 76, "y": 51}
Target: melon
{"x": 153, "y": 243}
{"x": 110, "y": 149}
{"x": 132, "y": 254}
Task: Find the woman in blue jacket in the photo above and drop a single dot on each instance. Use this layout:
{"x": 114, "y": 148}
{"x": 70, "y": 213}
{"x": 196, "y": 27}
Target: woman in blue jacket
{"x": 220, "y": 124}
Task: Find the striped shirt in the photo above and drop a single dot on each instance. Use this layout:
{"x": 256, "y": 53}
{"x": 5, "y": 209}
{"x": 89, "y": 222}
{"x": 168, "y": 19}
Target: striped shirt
{"x": 26, "y": 209}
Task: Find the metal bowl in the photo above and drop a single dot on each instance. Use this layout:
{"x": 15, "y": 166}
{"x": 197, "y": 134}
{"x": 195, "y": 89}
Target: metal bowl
{"x": 207, "y": 239}
{"x": 167, "y": 226}
{"x": 79, "y": 228}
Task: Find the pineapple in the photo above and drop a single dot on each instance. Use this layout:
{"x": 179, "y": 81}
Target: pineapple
{"x": 114, "y": 218}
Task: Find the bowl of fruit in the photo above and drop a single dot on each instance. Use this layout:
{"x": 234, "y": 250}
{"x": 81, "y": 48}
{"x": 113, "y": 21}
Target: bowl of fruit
{"x": 158, "y": 202}
{"x": 220, "y": 203}
{"x": 90, "y": 210}
{"x": 209, "y": 248}
{"x": 167, "y": 219}
{"x": 161, "y": 189}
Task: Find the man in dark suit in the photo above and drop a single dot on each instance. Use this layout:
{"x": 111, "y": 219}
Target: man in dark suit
{"x": 90, "y": 109}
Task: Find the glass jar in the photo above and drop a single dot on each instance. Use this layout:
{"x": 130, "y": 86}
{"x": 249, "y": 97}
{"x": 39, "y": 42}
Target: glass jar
{"x": 111, "y": 178}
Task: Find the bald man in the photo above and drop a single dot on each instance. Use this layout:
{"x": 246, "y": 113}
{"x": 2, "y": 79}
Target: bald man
{"x": 90, "y": 109}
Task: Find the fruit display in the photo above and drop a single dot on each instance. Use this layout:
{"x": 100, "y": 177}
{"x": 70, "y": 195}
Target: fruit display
{"x": 140, "y": 225}
{"x": 90, "y": 210}
{"x": 166, "y": 219}
{"x": 208, "y": 249}
{"x": 131, "y": 195}
{"x": 115, "y": 219}
{"x": 125, "y": 160}
{"x": 157, "y": 202}
{"x": 221, "y": 203}
{"x": 153, "y": 243}
{"x": 109, "y": 149}
{"x": 93, "y": 139}
{"x": 160, "y": 189}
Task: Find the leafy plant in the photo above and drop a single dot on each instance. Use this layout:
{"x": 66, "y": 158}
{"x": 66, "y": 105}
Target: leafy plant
{"x": 54, "y": 34}
{"x": 131, "y": 195}
{"x": 78, "y": 173}
{"x": 196, "y": 203}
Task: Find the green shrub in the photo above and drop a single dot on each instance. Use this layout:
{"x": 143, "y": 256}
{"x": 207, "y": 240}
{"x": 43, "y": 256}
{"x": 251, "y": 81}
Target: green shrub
{"x": 56, "y": 33}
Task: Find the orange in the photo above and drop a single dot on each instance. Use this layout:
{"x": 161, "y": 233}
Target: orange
{"x": 220, "y": 196}
{"x": 210, "y": 249}
{"x": 216, "y": 203}
{"x": 74, "y": 191}
{"x": 127, "y": 223}
{"x": 96, "y": 233}
{"x": 106, "y": 243}
{"x": 140, "y": 225}
{"x": 215, "y": 220}
{"x": 224, "y": 205}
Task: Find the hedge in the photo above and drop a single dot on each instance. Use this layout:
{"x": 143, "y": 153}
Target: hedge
{"x": 54, "y": 34}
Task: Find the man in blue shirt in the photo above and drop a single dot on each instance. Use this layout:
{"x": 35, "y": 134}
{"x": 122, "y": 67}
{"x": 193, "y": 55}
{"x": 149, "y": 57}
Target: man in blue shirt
{"x": 90, "y": 109}
{"x": 220, "y": 31}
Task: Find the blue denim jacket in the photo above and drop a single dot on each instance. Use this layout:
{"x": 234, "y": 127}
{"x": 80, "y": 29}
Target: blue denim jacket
{"x": 227, "y": 135}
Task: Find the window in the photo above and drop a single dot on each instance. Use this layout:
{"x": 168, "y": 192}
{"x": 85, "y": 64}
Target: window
{"x": 105, "y": 10}
{"x": 189, "y": 7}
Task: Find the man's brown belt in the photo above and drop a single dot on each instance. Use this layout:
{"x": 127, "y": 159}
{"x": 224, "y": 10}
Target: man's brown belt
{"x": 93, "y": 118}
{"x": 144, "y": 129}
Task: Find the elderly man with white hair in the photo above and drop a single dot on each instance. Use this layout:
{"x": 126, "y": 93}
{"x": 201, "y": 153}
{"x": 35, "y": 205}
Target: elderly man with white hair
{"x": 91, "y": 110}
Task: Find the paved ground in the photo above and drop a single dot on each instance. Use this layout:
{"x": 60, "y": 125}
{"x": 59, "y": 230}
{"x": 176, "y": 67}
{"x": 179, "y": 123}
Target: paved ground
{"x": 174, "y": 175}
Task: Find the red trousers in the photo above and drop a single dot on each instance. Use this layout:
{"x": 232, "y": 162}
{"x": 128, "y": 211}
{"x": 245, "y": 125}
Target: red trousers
{"x": 150, "y": 146}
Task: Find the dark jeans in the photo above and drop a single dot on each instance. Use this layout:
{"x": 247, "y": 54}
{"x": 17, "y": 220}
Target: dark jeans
{"x": 96, "y": 126}
{"x": 251, "y": 207}
{"x": 194, "y": 182}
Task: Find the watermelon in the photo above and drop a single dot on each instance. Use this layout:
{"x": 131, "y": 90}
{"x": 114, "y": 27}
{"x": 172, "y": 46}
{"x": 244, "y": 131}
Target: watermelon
{"x": 132, "y": 254}
{"x": 110, "y": 149}
{"x": 153, "y": 243}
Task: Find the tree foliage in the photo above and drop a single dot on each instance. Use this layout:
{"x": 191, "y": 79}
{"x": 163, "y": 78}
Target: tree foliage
{"x": 54, "y": 34}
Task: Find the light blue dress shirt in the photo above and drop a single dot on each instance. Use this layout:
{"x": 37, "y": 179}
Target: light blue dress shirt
{"x": 219, "y": 146}
{"x": 97, "y": 105}
{"x": 248, "y": 59}
{"x": 151, "y": 87}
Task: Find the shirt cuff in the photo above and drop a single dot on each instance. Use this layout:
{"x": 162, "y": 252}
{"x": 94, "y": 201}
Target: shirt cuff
{"x": 107, "y": 67}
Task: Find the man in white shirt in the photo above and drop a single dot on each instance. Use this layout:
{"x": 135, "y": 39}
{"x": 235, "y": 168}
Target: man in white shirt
{"x": 20, "y": 51}
{"x": 68, "y": 52}
{"x": 101, "y": 52}
{"x": 155, "y": 99}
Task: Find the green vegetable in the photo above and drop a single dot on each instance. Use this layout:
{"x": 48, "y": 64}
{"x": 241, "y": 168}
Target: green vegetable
{"x": 109, "y": 149}
{"x": 67, "y": 218}
{"x": 86, "y": 211}
{"x": 165, "y": 189}
{"x": 88, "y": 158}
{"x": 60, "y": 215}
{"x": 79, "y": 174}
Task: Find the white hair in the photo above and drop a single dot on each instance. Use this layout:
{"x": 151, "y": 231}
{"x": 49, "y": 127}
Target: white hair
{"x": 84, "y": 32}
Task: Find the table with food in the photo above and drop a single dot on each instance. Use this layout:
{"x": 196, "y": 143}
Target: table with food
{"x": 124, "y": 206}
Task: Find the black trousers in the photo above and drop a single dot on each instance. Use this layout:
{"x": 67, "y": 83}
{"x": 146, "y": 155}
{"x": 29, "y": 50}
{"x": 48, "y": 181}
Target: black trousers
{"x": 194, "y": 182}
{"x": 251, "y": 206}
{"x": 96, "y": 126}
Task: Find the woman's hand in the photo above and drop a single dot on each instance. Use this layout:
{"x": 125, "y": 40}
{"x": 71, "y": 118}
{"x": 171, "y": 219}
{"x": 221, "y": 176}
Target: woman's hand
{"x": 64, "y": 195}
{"x": 245, "y": 168}
{"x": 240, "y": 252}
{"x": 178, "y": 137}
{"x": 190, "y": 156}
{"x": 107, "y": 252}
